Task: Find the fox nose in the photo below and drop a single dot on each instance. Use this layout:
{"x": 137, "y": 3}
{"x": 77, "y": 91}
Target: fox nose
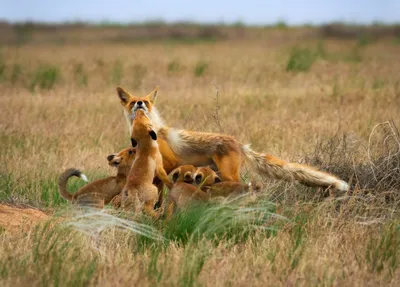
{"x": 110, "y": 157}
{"x": 139, "y": 103}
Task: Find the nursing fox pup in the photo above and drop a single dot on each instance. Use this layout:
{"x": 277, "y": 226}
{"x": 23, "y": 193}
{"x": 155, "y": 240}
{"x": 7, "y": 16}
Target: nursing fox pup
{"x": 183, "y": 192}
{"x": 182, "y": 147}
{"x": 201, "y": 184}
{"x": 102, "y": 189}
{"x": 208, "y": 180}
{"x": 139, "y": 192}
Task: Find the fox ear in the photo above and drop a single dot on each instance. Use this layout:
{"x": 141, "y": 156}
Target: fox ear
{"x": 153, "y": 135}
{"x": 134, "y": 142}
{"x": 175, "y": 175}
{"x": 110, "y": 157}
{"x": 153, "y": 95}
{"x": 199, "y": 178}
{"x": 123, "y": 95}
{"x": 217, "y": 179}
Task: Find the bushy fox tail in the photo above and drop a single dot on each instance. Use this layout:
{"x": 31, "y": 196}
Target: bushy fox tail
{"x": 269, "y": 166}
{"x": 63, "y": 179}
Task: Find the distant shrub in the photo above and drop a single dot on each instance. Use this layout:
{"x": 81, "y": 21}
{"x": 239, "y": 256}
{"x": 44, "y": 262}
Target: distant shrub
{"x": 173, "y": 66}
{"x": 200, "y": 68}
{"x": 45, "y": 77}
{"x": 300, "y": 60}
{"x": 81, "y": 76}
{"x": 364, "y": 40}
{"x": 281, "y": 24}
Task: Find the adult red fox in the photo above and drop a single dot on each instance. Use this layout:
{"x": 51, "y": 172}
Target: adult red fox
{"x": 181, "y": 147}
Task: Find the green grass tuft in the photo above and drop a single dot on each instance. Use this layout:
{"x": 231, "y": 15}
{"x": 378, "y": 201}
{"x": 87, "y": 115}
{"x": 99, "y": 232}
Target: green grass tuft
{"x": 174, "y": 66}
{"x": 300, "y": 60}
{"x": 384, "y": 252}
{"x": 45, "y": 77}
{"x": 200, "y": 68}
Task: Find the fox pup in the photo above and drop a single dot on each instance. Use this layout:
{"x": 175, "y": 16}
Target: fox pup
{"x": 208, "y": 180}
{"x": 183, "y": 190}
{"x": 105, "y": 188}
{"x": 181, "y": 147}
{"x": 139, "y": 190}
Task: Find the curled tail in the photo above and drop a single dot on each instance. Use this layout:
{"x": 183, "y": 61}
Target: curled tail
{"x": 63, "y": 179}
{"x": 269, "y": 166}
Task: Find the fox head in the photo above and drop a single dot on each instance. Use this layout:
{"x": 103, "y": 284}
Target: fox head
{"x": 205, "y": 176}
{"x": 184, "y": 173}
{"x": 142, "y": 129}
{"x": 131, "y": 104}
{"x": 123, "y": 159}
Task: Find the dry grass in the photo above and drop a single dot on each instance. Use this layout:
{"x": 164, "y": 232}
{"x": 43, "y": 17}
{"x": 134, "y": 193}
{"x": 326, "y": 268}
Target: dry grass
{"x": 60, "y": 110}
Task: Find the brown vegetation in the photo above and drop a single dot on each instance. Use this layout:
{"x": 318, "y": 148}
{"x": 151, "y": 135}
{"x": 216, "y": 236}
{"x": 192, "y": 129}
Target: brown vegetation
{"x": 329, "y": 102}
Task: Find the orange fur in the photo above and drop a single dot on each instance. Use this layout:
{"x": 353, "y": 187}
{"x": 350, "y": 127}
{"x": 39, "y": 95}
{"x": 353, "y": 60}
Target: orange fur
{"x": 183, "y": 191}
{"x": 208, "y": 180}
{"x": 102, "y": 190}
{"x": 139, "y": 191}
{"x": 180, "y": 147}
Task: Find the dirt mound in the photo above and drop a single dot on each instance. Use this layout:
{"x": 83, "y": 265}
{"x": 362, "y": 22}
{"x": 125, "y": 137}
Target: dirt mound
{"x": 14, "y": 219}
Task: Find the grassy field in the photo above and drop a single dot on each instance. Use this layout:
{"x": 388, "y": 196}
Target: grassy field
{"x": 331, "y": 103}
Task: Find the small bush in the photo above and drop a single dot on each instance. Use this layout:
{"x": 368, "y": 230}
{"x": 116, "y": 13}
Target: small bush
{"x": 174, "y": 66}
{"x": 364, "y": 40}
{"x": 45, "y": 77}
{"x": 281, "y": 25}
{"x": 200, "y": 68}
{"x": 300, "y": 60}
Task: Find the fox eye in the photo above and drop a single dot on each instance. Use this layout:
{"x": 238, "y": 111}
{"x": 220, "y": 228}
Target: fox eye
{"x": 131, "y": 104}
{"x": 146, "y": 103}
{"x": 130, "y": 152}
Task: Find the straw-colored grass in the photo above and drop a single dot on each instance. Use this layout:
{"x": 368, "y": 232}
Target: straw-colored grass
{"x": 59, "y": 109}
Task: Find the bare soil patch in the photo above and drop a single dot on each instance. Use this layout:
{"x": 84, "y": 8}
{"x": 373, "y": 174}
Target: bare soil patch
{"x": 14, "y": 219}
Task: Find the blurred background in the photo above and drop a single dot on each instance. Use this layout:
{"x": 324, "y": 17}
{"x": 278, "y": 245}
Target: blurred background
{"x": 61, "y": 21}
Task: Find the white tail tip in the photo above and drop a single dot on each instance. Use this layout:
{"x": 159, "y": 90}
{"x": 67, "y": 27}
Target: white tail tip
{"x": 84, "y": 177}
{"x": 343, "y": 186}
